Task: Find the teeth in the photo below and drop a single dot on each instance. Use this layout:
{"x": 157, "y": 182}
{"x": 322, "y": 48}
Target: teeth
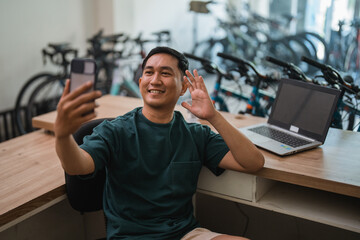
{"x": 155, "y": 91}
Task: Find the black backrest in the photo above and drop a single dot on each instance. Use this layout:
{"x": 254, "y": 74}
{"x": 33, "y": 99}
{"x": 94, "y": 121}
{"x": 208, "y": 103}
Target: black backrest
{"x": 86, "y": 194}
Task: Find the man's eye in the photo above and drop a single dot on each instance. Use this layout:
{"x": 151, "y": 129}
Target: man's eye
{"x": 166, "y": 73}
{"x": 148, "y": 72}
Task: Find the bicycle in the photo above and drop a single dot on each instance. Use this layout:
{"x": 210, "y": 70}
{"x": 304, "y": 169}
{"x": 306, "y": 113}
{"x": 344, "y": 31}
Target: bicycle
{"x": 259, "y": 102}
{"x": 337, "y": 45}
{"x": 347, "y": 110}
{"x": 102, "y": 50}
{"x": 41, "y": 92}
{"x": 352, "y": 57}
{"x": 129, "y": 66}
{"x": 348, "y": 105}
{"x": 246, "y": 38}
{"x": 226, "y": 98}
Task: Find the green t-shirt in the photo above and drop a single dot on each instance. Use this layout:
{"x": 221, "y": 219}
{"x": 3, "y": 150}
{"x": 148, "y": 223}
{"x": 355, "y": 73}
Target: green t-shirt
{"x": 152, "y": 173}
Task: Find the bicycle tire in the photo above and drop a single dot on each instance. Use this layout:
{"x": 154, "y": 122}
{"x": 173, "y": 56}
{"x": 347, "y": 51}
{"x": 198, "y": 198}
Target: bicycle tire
{"x": 44, "y": 98}
{"x": 348, "y": 114}
{"x": 104, "y": 79}
{"x": 208, "y": 49}
{"x": 281, "y": 49}
{"x": 313, "y": 38}
{"x": 220, "y": 104}
{"x": 129, "y": 89}
{"x": 352, "y": 58}
{"x": 233, "y": 101}
{"x": 20, "y": 99}
{"x": 301, "y": 49}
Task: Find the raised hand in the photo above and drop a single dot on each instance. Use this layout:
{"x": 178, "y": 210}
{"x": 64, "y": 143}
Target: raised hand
{"x": 201, "y": 106}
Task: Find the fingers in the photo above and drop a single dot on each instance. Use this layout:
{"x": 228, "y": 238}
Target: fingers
{"x": 197, "y": 81}
{"x": 80, "y": 90}
{"x": 188, "y": 84}
{"x": 73, "y": 106}
{"x": 186, "y": 105}
{"x": 66, "y": 88}
{"x": 84, "y": 109}
{"x": 85, "y": 98}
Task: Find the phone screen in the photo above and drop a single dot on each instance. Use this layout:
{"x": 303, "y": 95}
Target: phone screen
{"x": 82, "y": 71}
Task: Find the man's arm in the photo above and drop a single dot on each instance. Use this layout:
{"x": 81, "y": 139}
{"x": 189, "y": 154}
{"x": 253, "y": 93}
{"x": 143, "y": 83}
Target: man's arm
{"x": 243, "y": 155}
{"x": 73, "y": 110}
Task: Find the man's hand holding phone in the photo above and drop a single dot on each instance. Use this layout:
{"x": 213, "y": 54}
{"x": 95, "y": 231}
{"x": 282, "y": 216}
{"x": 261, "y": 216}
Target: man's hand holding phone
{"x": 77, "y": 102}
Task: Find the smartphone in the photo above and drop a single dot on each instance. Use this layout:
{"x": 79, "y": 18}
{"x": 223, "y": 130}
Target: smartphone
{"x": 82, "y": 70}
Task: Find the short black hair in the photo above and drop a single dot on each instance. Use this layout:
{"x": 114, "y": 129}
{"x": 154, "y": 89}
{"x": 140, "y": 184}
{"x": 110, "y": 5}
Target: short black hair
{"x": 183, "y": 63}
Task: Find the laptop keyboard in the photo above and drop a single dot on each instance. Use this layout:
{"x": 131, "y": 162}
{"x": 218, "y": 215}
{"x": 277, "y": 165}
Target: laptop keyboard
{"x": 280, "y": 136}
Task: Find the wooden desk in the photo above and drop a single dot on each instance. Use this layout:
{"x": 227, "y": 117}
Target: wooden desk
{"x": 31, "y": 177}
{"x": 333, "y": 167}
{"x": 331, "y": 173}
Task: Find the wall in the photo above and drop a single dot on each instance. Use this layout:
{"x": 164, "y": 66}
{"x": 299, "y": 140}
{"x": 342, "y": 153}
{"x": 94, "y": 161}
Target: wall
{"x": 28, "y": 26}
{"x": 135, "y": 16}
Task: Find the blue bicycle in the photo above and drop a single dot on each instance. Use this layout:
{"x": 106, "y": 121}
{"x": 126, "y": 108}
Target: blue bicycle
{"x": 226, "y": 95}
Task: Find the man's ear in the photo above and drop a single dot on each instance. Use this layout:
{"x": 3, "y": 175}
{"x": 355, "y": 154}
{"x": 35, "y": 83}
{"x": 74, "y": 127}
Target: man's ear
{"x": 184, "y": 88}
{"x": 139, "y": 81}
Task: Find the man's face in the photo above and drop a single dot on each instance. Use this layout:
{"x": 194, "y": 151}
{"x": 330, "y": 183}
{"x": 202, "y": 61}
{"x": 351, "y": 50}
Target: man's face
{"x": 161, "y": 83}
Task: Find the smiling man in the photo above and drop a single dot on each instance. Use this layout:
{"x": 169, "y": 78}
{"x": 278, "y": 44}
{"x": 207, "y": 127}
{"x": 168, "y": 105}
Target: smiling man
{"x": 152, "y": 156}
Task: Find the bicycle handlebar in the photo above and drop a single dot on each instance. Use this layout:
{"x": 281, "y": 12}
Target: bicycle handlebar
{"x": 232, "y": 58}
{"x": 209, "y": 66}
{"x": 200, "y": 59}
{"x": 61, "y": 50}
{"x": 243, "y": 63}
{"x": 321, "y": 66}
{"x": 332, "y": 76}
{"x": 290, "y": 69}
{"x": 164, "y": 35}
{"x": 278, "y": 62}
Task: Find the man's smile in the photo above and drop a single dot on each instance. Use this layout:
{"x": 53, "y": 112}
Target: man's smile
{"x": 156, "y": 91}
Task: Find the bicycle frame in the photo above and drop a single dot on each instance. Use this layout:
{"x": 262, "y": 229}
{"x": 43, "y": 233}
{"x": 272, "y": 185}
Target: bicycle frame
{"x": 353, "y": 113}
{"x": 253, "y": 105}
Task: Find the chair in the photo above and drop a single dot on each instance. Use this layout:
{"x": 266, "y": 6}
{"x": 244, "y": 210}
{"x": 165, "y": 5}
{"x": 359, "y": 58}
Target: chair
{"x": 86, "y": 194}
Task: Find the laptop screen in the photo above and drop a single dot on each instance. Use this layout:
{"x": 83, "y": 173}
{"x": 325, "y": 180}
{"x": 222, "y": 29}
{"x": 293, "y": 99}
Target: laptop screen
{"x": 304, "y": 108}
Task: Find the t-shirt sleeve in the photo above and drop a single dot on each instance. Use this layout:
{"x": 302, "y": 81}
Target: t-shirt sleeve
{"x": 215, "y": 150}
{"x": 98, "y": 145}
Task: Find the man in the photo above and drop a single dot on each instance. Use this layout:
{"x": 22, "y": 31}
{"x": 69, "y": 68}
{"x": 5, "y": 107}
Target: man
{"x": 152, "y": 156}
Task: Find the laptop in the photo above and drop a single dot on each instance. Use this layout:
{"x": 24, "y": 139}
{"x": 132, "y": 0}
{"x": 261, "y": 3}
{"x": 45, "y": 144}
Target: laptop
{"x": 299, "y": 120}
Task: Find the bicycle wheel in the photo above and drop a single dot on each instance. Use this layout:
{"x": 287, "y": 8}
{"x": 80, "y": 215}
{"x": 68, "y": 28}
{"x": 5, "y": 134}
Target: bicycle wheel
{"x": 352, "y": 61}
{"x": 208, "y": 49}
{"x": 44, "y": 98}
{"x": 279, "y": 49}
{"x": 129, "y": 89}
{"x": 23, "y": 98}
{"x": 104, "y": 79}
{"x": 234, "y": 97}
{"x": 301, "y": 49}
{"x": 316, "y": 44}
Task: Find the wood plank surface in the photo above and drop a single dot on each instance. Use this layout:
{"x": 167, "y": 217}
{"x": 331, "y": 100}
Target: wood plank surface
{"x": 334, "y": 166}
{"x": 29, "y": 170}
{"x": 31, "y": 174}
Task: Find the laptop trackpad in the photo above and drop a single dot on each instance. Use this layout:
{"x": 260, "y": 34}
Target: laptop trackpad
{"x": 256, "y": 138}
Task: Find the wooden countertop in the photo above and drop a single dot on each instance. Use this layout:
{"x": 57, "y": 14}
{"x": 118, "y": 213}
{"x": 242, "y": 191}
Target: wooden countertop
{"x": 334, "y": 166}
{"x": 31, "y": 174}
